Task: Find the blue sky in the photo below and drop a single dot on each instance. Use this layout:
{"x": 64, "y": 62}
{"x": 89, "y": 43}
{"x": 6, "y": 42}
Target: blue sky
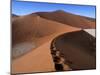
{"x": 24, "y": 8}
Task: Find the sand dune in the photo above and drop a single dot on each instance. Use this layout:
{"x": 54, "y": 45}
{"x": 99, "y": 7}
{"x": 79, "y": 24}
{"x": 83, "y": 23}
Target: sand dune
{"x": 68, "y": 18}
{"x": 39, "y": 29}
{"x": 35, "y": 27}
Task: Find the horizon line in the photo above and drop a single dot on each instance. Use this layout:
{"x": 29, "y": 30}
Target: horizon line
{"x": 53, "y": 11}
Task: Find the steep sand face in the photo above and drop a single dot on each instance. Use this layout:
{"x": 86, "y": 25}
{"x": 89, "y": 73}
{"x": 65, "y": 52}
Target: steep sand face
{"x": 41, "y": 32}
{"x": 68, "y": 18}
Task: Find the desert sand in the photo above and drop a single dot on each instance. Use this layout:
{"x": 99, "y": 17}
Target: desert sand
{"x": 53, "y": 30}
{"x": 39, "y": 31}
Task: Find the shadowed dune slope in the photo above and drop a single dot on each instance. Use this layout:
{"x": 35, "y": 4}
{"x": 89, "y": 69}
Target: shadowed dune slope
{"x": 68, "y": 18}
{"x": 78, "y": 49}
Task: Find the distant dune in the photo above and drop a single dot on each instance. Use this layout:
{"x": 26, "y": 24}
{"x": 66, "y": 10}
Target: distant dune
{"x": 68, "y": 18}
{"x": 32, "y": 36}
{"x": 91, "y": 19}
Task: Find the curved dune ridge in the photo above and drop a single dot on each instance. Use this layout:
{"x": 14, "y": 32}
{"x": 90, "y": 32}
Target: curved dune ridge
{"x": 31, "y": 39}
{"x": 34, "y": 27}
{"x": 39, "y": 31}
{"x": 78, "y": 49}
{"x": 68, "y": 18}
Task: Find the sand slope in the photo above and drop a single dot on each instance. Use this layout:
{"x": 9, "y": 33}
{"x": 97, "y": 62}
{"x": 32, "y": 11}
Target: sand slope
{"x": 39, "y": 31}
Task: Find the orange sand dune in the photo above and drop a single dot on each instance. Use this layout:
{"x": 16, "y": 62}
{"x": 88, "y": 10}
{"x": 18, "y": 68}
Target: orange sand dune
{"x": 33, "y": 28}
{"x": 40, "y": 31}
